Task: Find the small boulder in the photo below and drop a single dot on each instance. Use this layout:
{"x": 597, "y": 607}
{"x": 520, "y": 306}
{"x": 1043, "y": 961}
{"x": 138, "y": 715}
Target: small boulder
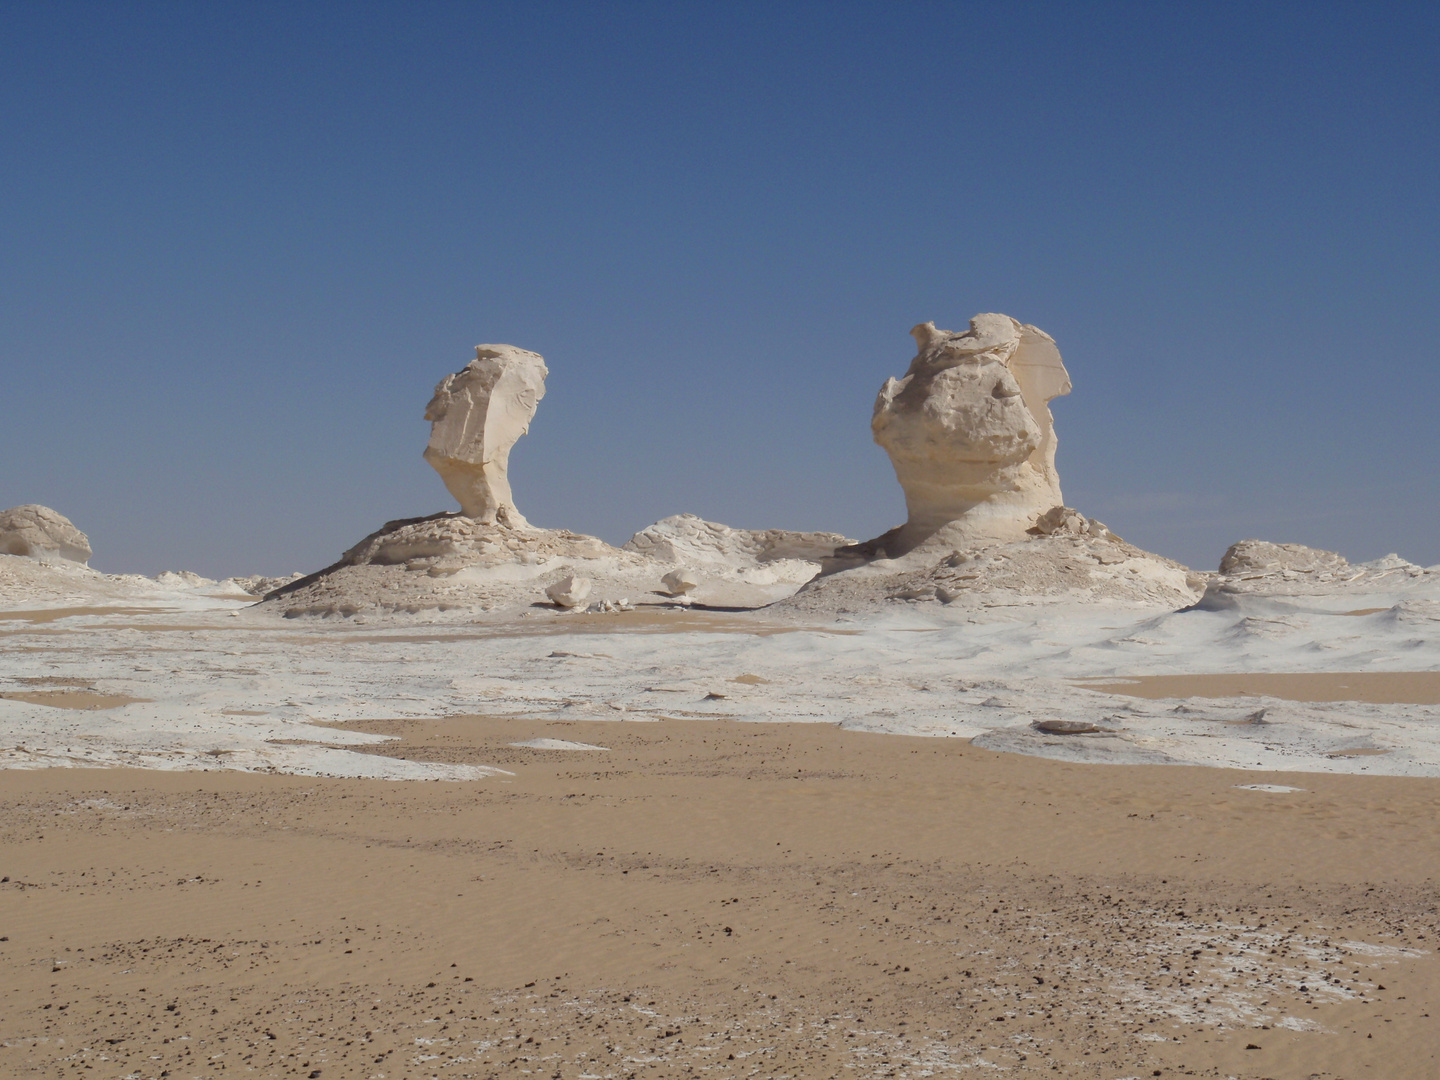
{"x": 569, "y": 591}
{"x": 680, "y": 582}
{"x": 37, "y": 532}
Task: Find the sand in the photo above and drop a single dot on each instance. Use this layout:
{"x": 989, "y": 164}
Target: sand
{"x": 47, "y": 615}
{"x": 723, "y": 899}
{"x": 84, "y": 700}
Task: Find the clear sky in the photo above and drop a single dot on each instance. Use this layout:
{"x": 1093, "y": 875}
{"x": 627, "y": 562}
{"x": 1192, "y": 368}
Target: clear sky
{"x": 240, "y": 243}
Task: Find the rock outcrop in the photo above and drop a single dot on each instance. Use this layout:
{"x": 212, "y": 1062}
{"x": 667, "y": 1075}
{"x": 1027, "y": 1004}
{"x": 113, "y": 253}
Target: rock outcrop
{"x": 1263, "y": 557}
{"x": 1079, "y": 563}
{"x": 968, "y": 429}
{"x": 691, "y": 540}
{"x": 1259, "y": 569}
{"x": 476, "y": 416}
{"x": 37, "y": 532}
{"x": 1065, "y": 521}
{"x": 969, "y": 432}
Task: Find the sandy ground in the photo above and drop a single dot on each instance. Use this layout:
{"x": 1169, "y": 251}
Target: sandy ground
{"x": 707, "y": 897}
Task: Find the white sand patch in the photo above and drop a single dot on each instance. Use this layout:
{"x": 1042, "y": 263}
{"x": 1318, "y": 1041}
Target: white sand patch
{"x": 231, "y": 686}
{"x": 557, "y": 744}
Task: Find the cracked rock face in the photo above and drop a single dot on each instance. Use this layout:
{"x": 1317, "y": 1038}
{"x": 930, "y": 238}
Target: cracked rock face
{"x": 476, "y": 416}
{"x": 37, "y": 532}
{"x": 969, "y": 431}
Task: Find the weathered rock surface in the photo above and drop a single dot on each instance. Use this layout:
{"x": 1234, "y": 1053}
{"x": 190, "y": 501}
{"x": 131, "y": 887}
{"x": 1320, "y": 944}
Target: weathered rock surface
{"x": 450, "y": 562}
{"x": 1263, "y": 557}
{"x": 970, "y": 434}
{"x": 1079, "y": 566}
{"x": 570, "y": 591}
{"x": 685, "y": 538}
{"x": 1064, "y": 521}
{"x": 1255, "y": 569}
{"x": 184, "y": 579}
{"x": 476, "y": 416}
{"x": 444, "y": 543}
{"x": 37, "y": 532}
{"x": 680, "y": 582}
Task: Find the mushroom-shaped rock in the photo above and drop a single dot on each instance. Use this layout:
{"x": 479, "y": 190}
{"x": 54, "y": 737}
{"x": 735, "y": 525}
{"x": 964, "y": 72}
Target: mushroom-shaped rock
{"x": 969, "y": 431}
{"x": 569, "y": 592}
{"x": 476, "y": 416}
{"x": 38, "y": 532}
{"x": 680, "y": 582}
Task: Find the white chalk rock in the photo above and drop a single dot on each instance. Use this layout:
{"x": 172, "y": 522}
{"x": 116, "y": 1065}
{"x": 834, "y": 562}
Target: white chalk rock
{"x": 680, "y": 582}
{"x": 183, "y": 579}
{"x": 1261, "y": 556}
{"x": 1064, "y": 521}
{"x": 476, "y": 416}
{"x": 569, "y": 592}
{"x": 969, "y": 431}
{"x": 690, "y": 539}
{"x": 37, "y": 532}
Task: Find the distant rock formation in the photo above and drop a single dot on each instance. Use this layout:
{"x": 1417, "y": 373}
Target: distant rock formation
{"x": 969, "y": 432}
{"x": 476, "y": 416}
{"x": 1260, "y": 569}
{"x": 37, "y": 532}
{"x": 691, "y": 540}
{"x": 1264, "y": 557}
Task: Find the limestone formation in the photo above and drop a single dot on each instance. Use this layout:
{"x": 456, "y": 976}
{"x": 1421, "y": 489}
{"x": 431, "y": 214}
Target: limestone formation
{"x": 1064, "y": 521}
{"x": 476, "y": 416}
{"x": 970, "y": 434}
{"x": 680, "y": 582}
{"x": 1082, "y": 565}
{"x": 1259, "y": 569}
{"x": 569, "y": 592}
{"x": 37, "y": 532}
{"x": 1261, "y": 556}
{"x": 685, "y": 538}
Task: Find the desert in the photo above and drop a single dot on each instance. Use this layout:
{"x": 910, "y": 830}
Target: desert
{"x": 678, "y": 541}
{"x": 993, "y": 791}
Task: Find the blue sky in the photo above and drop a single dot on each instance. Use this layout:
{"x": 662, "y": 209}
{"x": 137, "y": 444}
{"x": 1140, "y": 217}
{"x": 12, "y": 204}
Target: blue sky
{"x": 239, "y": 244}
